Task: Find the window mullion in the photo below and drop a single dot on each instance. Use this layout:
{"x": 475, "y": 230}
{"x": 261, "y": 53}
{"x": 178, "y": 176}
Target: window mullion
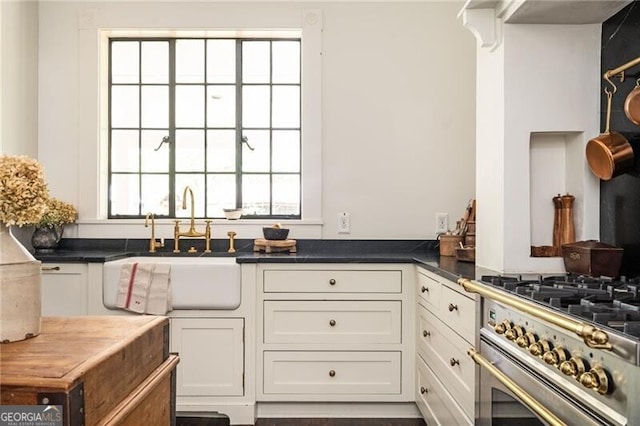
{"x": 205, "y": 127}
{"x": 172, "y": 127}
{"x": 270, "y": 128}
{"x": 140, "y": 189}
{"x": 239, "y": 128}
{"x": 110, "y": 142}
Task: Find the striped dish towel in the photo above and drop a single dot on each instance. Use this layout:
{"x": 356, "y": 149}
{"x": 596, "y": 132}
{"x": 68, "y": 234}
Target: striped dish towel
{"x": 133, "y": 289}
{"x": 159, "y": 295}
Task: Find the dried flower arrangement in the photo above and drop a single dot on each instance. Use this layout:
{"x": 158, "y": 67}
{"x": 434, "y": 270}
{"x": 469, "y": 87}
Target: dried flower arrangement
{"x": 23, "y": 190}
{"x": 58, "y": 213}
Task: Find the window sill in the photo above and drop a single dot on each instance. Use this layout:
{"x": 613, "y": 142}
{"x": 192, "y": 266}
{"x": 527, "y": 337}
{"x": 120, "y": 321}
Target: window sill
{"x": 134, "y": 228}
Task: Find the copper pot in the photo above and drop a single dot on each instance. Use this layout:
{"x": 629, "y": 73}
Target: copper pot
{"x": 610, "y": 154}
{"x": 632, "y": 104}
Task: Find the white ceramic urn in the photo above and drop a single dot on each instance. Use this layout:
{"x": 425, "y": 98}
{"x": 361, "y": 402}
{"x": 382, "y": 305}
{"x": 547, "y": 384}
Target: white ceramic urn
{"x": 20, "y": 287}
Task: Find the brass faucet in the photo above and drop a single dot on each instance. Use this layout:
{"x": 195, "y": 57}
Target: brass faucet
{"x": 192, "y": 226}
{"x": 153, "y": 244}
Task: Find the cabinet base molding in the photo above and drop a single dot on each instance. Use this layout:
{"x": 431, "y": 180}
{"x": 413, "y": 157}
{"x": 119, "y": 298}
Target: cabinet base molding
{"x": 338, "y": 409}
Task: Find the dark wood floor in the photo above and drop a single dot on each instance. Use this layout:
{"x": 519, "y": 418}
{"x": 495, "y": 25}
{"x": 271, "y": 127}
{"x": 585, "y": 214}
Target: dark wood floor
{"x": 340, "y": 422}
{"x": 191, "y": 421}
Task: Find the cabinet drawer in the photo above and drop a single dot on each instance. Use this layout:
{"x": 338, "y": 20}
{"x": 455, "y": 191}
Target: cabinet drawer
{"x": 332, "y": 321}
{"x": 434, "y": 402}
{"x": 459, "y": 312}
{"x": 429, "y": 291}
{"x": 445, "y": 352}
{"x": 332, "y": 373}
{"x": 332, "y": 281}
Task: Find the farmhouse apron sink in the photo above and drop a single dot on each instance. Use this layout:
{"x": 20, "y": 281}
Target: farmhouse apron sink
{"x": 197, "y": 283}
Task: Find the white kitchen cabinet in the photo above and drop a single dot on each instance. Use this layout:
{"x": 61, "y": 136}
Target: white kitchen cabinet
{"x": 211, "y": 356}
{"x": 434, "y": 401}
{"x": 335, "y": 332}
{"x": 217, "y": 352}
{"x": 447, "y": 326}
{"x": 64, "y": 289}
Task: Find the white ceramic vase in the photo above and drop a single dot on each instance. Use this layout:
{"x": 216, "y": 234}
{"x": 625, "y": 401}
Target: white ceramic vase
{"x": 20, "y": 287}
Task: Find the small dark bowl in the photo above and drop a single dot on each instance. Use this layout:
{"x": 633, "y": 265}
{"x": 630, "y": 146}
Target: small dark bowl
{"x": 275, "y": 233}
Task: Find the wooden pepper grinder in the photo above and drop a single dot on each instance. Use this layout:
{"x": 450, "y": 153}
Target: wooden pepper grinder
{"x": 568, "y": 232}
{"x": 557, "y": 223}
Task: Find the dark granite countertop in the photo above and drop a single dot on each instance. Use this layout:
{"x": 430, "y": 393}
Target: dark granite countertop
{"x": 424, "y": 253}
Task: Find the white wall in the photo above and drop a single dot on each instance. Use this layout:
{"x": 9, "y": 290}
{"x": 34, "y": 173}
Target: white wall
{"x": 398, "y": 110}
{"x": 490, "y": 157}
{"x": 550, "y": 86}
{"x": 18, "y": 78}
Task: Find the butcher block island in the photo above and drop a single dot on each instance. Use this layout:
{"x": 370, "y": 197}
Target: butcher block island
{"x": 103, "y": 370}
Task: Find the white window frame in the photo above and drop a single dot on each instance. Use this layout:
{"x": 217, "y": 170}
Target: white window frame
{"x": 93, "y": 108}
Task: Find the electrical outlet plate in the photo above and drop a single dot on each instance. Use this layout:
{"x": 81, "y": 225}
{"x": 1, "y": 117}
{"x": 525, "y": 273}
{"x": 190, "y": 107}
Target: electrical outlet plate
{"x": 442, "y": 223}
{"x": 344, "y": 223}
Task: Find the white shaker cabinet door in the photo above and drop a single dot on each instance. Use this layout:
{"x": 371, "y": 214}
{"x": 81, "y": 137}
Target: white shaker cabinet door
{"x": 211, "y": 356}
{"x": 64, "y": 289}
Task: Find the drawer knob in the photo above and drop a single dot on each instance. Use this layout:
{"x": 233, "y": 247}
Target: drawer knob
{"x": 426, "y": 333}
{"x": 332, "y": 323}
{"x": 332, "y": 373}
{"x": 423, "y": 390}
{"x": 332, "y": 281}
{"x": 424, "y": 289}
{"x": 454, "y": 362}
{"x": 452, "y": 307}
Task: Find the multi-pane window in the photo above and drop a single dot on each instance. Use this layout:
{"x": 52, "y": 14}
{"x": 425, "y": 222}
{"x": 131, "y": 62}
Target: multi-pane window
{"x": 221, "y": 116}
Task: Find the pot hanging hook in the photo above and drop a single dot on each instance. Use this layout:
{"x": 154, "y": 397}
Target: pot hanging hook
{"x": 607, "y": 122}
{"x": 606, "y": 89}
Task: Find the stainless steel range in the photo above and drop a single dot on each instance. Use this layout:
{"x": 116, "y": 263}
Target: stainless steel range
{"x": 558, "y": 350}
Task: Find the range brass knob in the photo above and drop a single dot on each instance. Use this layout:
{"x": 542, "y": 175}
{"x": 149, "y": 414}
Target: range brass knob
{"x": 514, "y": 333}
{"x": 502, "y": 327}
{"x": 574, "y": 367}
{"x": 555, "y": 356}
{"x": 526, "y": 340}
{"x": 539, "y": 348}
{"x": 596, "y": 379}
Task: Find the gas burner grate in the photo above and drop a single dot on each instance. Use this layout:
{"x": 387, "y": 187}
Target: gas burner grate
{"x": 627, "y": 327}
{"x": 632, "y": 328}
{"x": 600, "y": 300}
{"x": 510, "y": 282}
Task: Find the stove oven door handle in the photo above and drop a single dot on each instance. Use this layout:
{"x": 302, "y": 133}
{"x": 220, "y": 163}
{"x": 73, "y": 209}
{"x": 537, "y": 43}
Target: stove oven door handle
{"x": 527, "y": 399}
